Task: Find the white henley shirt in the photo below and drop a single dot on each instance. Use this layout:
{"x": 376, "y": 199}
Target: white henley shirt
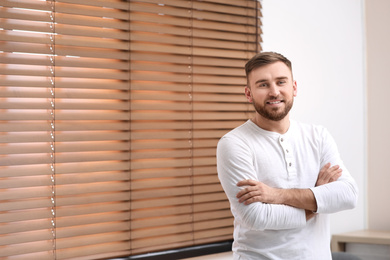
{"x": 291, "y": 160}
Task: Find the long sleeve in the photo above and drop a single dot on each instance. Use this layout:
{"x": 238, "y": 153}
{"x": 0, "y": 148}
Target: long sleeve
{"x": 235, "y": 163}
{"x": 291, "y": 160}
{"x": 341, "y": 194}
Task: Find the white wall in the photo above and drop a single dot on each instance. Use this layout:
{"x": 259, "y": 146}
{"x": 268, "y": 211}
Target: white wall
{"x": 325, "y": 42}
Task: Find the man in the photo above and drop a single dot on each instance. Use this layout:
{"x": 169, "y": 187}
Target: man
{"x": 282, "y": 178}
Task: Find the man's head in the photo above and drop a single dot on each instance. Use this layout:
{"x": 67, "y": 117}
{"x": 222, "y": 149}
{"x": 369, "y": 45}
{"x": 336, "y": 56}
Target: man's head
{"x": 270, "y": 85}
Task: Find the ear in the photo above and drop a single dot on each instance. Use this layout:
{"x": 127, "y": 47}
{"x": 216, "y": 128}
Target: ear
{"x": 248, "y": 94}
{"x": 295, "y": 88}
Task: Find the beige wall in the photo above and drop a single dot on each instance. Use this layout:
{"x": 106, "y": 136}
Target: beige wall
{"x": 378, "y": 113}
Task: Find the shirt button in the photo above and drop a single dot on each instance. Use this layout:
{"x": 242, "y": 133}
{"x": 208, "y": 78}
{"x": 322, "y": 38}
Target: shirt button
{"x": 290, "y": 164}
{"x": 281, "y": 139}
{"x": 286, "y": 150}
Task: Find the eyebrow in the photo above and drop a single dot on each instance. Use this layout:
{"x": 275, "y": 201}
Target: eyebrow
{"x": 265, "y": 80}
{"x": 261, "y": 81}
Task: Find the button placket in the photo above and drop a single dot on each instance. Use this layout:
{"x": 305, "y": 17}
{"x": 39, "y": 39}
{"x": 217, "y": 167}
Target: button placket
{"x": 288, "y": 156}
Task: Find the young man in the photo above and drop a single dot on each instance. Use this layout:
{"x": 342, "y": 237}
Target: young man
{"x": 282, "y": 177}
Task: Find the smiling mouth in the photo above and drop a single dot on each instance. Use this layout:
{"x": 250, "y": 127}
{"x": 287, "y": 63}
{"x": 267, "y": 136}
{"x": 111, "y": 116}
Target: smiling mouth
{"x": 274, "y": 102}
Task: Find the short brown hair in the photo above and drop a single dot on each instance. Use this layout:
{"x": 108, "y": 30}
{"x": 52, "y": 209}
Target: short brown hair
{"x": 265, "y": 58}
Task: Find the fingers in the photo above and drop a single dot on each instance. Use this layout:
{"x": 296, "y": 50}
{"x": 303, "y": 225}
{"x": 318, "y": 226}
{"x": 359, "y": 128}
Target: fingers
{"x": 333, "y": 173}
{"x": 248, "y": 194}
{"x": 337, "y": 171}
{"x": 328, "y": 174}
{"x": 247, "y": 199}
{"x": 245, "y": 193}
{"x": 256, "y": 191}
{"x": 325, "y": 168}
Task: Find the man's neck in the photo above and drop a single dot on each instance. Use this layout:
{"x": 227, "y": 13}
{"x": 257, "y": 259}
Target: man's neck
{"x": 280, "y": 127}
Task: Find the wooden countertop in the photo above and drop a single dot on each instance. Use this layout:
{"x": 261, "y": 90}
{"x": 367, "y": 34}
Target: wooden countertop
{"x": 361, "y": 236}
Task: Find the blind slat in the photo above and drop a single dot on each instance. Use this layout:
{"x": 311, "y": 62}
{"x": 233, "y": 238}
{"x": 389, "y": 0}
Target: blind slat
{"x": 111, "y": 114}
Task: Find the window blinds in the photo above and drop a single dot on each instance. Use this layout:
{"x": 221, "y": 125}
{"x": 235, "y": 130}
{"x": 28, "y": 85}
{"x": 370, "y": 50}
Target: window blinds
{"x": 110, "y": 112}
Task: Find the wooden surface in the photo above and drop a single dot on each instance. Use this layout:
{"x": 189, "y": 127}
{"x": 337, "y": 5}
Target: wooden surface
{"x": 362, "y": 236}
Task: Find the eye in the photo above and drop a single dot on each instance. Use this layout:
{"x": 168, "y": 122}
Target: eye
{"x": 281, "y": 82}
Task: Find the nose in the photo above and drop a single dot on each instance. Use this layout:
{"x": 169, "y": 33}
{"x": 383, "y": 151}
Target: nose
{"x": 274, "y": 90}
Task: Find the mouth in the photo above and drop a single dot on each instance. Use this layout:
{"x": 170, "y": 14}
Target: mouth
{"x": 274, "y": 102}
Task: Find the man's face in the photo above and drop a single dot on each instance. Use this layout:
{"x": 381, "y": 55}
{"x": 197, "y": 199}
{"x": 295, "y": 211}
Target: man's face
{"x": 271, "y": 89}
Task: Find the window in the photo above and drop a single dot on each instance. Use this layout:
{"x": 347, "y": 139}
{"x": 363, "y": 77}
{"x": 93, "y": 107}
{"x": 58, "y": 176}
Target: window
{"x": 110, "y": 112}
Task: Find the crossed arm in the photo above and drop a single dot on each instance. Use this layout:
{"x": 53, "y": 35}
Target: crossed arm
{"x": 256, "y": 191}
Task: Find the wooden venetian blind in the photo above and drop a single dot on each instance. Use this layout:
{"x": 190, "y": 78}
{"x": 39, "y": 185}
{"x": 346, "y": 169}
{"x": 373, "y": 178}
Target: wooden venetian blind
{"x": 110, "y": 112}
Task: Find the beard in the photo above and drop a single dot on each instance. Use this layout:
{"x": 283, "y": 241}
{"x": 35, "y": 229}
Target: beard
{"x": 274, "y": 114}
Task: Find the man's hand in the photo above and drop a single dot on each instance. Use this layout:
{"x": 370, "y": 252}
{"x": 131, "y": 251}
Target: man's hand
{"x": 328, "y": 174}
{"x": 257, "y": 192}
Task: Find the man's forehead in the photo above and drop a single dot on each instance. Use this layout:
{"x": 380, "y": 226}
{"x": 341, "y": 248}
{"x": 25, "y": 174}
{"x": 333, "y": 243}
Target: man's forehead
{"x": 270, "y": 72}
{"x": 273, "y": 66}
